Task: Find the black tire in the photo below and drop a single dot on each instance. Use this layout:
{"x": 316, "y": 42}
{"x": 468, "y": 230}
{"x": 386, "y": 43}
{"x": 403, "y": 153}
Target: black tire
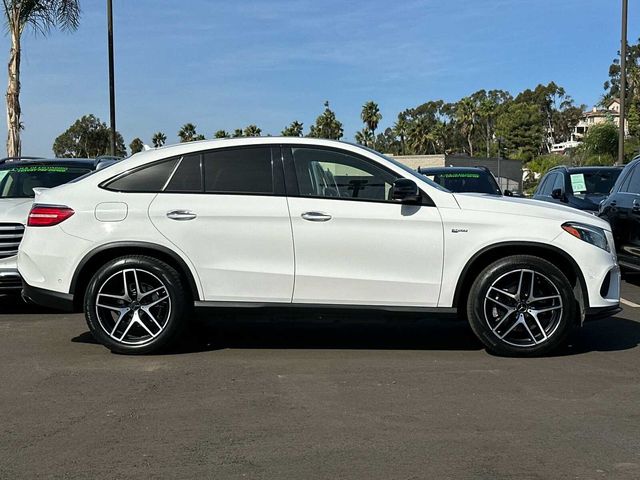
{"x": 156, "y": 322}
{"x": 509, "y": 289}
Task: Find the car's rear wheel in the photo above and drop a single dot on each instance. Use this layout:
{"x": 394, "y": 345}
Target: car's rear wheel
{"x": 521, "y": 306}
{"x": 136, "y": 305}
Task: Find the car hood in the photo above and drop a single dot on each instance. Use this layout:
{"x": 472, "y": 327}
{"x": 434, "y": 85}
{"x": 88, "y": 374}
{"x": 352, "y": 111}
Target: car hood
{"x": 526, "y": 207}
{"x": 15, "y": 210}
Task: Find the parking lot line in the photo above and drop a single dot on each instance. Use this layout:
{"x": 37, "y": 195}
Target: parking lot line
{"x": 628, "y": 303}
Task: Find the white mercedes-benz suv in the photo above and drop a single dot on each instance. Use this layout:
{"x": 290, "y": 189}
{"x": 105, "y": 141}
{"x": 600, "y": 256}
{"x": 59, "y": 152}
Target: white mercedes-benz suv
{"x": 307, "y": 223}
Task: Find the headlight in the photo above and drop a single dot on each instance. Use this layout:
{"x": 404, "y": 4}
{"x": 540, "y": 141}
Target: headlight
{"x": 588, "y": 233}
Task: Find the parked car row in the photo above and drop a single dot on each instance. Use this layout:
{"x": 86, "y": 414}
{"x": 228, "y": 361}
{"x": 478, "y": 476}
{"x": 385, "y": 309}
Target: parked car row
{"x": 308, "y": 223}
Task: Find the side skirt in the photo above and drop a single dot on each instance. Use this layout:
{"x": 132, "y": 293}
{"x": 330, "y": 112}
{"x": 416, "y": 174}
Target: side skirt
{"x": 444, "y": 312}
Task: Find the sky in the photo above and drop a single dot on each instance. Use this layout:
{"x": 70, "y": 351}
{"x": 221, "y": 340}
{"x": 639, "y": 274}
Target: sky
{"x": 228, "y": 64}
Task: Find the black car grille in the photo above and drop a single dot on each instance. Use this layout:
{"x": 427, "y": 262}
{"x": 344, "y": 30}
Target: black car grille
{"x": 10, "y": 237}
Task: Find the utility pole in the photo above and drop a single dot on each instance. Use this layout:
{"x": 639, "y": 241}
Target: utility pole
{"x": 623, "y": 83}
{"x": 112, "y": 87}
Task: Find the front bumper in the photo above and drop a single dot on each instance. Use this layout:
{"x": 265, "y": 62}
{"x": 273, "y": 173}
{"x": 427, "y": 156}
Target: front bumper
{"x": 48, "y": 298}
{"x": 599, "y": 313}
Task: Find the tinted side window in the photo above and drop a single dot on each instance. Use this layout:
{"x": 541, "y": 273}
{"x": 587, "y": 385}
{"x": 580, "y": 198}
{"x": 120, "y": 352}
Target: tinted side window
{"x": 242, "y": 170}
{"x": 151, "y": 178}
{"x": 559, "y": 183}
{"x": 326, "y": 173}
{"x": 541, "y": 186}
{"x": 187, "y": 177}
{"x": 548, "y": 184}
{"x": 633, "y": 184}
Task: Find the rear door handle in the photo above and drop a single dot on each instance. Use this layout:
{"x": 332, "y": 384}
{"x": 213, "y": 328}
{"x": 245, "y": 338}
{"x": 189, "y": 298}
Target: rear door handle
{"x": 316, "y": 216}
{"x": 181, "y": 215}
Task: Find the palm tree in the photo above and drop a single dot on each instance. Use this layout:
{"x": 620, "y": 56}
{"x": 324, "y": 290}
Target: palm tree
{"x": 252, "y": 131}
{"x": 400, "y": 129}
{"x": 465, "y": 115}
{"x": 221, "y": 134}
{"x": 293, "y": 130}
{"x": 237, "y": 133}
{"x": 371, "y": 116}
{"x": 136, "y": 145}
{"x": 159, "y": 139}
{"x": 187, "y": 133}
{"x": 365, "y": 137}
{"x": 41, "y": 16}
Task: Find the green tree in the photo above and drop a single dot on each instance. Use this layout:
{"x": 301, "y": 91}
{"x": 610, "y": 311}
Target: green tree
{"x": 371, "y": 116}
{"x": 327, "y": 125}
{"x": 199, "y": 136}
{"x": 237, "y": 133}
{"x": 159, "y": 139}
{"x": 187, "y": 133}
{"x": 222, "y": 134}
{"x": 41, "y": 16}
{"x": 602, "y": 139}
{"x": 252, "y": 131}
{"x": 88, "y": 137}
{"x": 521, "y": 128}
{"x": 612, "y": 86}
{"x": 136, "y": 145}
{"x": 295, "y": 129}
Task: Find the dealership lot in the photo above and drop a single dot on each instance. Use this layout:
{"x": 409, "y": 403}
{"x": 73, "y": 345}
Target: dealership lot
{"x": 245, "y": 398}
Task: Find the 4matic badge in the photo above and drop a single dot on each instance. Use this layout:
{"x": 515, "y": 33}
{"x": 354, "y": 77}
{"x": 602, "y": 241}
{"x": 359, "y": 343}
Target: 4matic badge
{"x": 459, "y": 230}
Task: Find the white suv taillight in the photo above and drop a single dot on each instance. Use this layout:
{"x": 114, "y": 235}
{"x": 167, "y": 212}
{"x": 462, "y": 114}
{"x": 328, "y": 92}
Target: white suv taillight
{"x": 48, "y": 216}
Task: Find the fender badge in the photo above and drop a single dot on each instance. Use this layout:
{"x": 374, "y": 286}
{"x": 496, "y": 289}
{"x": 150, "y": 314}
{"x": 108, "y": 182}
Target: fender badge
{"x": 459, "y": 230}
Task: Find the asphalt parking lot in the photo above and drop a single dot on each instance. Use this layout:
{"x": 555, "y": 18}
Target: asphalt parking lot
{"x": 303, "y": 400}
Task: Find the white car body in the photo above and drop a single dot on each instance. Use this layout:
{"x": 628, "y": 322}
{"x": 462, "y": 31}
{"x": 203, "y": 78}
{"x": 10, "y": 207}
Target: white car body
{"x": 253, "y": 249}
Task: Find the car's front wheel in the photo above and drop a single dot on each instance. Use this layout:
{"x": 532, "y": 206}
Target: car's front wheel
{"x": 135, "y": 304}
{"x": 521, "y": 306}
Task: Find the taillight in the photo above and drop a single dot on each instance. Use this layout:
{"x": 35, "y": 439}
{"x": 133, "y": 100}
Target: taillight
{"x": 48, "y": 216}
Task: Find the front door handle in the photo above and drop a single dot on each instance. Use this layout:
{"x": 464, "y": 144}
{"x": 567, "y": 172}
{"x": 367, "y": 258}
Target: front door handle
{"x": 316, "y": 216}
{"x": 181, "y": 215}
{"x": 635, "y": 206}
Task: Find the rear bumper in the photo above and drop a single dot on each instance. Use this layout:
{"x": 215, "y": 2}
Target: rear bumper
{"x": 48, "y": 298}
{"x": 599, "y": 313}
{"x": 10, "y": 281}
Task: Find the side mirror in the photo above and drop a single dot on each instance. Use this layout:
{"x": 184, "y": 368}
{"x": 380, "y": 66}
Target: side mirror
{"x": 558, "y": 194}
{"x": 508, "y": 193}
{"x": 405, "y": 191}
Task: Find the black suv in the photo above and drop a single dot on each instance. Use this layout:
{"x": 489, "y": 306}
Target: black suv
{"x": 622, "y": 210}
{"x": 464, "y": 179}
{"x": 583, "y": 188}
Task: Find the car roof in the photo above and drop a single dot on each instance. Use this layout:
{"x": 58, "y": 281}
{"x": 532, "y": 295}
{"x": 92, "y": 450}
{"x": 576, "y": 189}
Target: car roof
{"x": 586, "y": 169}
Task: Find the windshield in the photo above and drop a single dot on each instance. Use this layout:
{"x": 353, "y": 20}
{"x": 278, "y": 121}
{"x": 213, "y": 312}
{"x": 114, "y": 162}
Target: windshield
{"x": 460, "y": 182}
{"x": 19, "y": 181}
{"x": 598, "y": 182}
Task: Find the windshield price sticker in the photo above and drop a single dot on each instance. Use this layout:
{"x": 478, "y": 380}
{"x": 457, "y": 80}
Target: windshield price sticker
{"x": 577, "y": 183}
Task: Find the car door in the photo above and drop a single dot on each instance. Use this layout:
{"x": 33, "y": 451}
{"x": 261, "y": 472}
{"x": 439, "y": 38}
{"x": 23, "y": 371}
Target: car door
{"x": 353, "y": 244}
{"x": 226, "y": 210}
{"x": 622, "y": 209}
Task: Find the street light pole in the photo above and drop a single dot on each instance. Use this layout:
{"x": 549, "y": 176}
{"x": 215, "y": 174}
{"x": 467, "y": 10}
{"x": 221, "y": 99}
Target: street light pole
{"x": 112, "y": 87}
{"x": 623, "y": 82}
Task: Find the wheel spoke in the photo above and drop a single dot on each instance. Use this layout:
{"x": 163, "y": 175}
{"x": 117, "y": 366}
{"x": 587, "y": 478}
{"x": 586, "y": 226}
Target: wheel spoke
{"x": 502, "y": 320}
{"x": 145, "y": 294}
{"x": 150, "y": 315}
{"x": 155, "y": 302}
{"x": 542, "y": 310}
{"x": 499, "y": 303}
{"x": 135, "y": 278}
{"x": 549, "y": 297}
{"x": 515, "y": 324}
{"x": 524, "y": 323}
{"x": 535, "y": 317}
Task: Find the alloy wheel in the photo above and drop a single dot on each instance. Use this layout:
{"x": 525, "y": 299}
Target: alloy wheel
{"x": 523, "y": 308}
{"x": 133, "y": 306}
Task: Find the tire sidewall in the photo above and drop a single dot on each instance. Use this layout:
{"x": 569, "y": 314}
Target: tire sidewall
{"x": 480, "y": 287}
{"x": 174, "y": 287}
